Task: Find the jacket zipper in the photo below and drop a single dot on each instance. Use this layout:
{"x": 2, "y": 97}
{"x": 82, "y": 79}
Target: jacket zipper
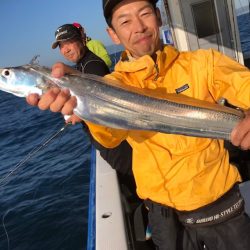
{"x": 157, "y": 72}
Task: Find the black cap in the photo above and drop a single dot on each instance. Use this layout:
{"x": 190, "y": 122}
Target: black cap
{"x": 66, "y": 32}
{"x": 109, "y": 5}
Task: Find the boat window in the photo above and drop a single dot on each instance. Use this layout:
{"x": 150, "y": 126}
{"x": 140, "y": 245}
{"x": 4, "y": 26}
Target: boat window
{"x": 205, "y": 21}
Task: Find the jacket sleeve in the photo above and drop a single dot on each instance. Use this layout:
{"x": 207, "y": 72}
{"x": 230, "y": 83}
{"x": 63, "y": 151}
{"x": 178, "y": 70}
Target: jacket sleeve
{"x": 230, "y": 80}
{"x": 107, "y": 137}
{"x": 119, "y": 158}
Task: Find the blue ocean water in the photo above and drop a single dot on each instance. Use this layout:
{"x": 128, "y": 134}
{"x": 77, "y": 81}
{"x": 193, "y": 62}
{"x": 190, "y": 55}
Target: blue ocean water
{"x": 44, "y": 204}
{"x": 244, "y": 30}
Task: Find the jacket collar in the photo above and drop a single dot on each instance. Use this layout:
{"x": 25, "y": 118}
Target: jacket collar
{"x": 164, "y": 58}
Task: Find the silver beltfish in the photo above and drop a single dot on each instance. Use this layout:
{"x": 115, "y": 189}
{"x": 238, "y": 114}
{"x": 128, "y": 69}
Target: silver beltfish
{"x": 116, "y": 105}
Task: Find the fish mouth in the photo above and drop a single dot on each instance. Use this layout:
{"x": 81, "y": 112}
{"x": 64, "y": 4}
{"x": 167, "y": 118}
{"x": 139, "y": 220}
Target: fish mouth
{"x": 1, "y": 75}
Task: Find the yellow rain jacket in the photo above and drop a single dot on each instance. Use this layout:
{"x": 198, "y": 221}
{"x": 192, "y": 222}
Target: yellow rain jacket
{"x": 181, "y": 171}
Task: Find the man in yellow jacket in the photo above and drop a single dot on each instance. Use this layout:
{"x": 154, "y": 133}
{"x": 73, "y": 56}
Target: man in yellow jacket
{"x": 188, "y": 183}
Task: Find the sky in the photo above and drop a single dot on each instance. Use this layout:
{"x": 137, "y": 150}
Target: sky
{"x": 28, "y": 27}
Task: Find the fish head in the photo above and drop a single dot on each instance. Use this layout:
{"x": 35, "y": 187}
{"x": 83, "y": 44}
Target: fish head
{"x": 20, "y": 81}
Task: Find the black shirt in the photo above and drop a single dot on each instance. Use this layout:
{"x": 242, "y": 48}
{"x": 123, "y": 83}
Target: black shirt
{"x": 92, "y": 64}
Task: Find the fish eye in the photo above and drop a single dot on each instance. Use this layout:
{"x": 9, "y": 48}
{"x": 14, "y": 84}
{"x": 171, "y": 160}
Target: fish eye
{"x": 6, "y": 73}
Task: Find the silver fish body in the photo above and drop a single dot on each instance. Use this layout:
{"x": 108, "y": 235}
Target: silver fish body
{"x": 116, "y": 105}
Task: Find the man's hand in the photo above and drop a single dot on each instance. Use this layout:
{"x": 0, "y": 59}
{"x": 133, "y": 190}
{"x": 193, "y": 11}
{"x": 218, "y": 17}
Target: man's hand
{"x": 240, "y": 135}
{"x": 55, "y": 99}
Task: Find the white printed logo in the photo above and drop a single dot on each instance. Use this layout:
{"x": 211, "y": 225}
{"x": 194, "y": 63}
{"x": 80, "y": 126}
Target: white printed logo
{"x": 61, "y": 33}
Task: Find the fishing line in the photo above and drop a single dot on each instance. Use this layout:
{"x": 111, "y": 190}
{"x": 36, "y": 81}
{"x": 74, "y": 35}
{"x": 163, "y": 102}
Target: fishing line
{"x": 5, "y": 231}
{"x": 32, "y": 153}
{"x": 21, "y": 163}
